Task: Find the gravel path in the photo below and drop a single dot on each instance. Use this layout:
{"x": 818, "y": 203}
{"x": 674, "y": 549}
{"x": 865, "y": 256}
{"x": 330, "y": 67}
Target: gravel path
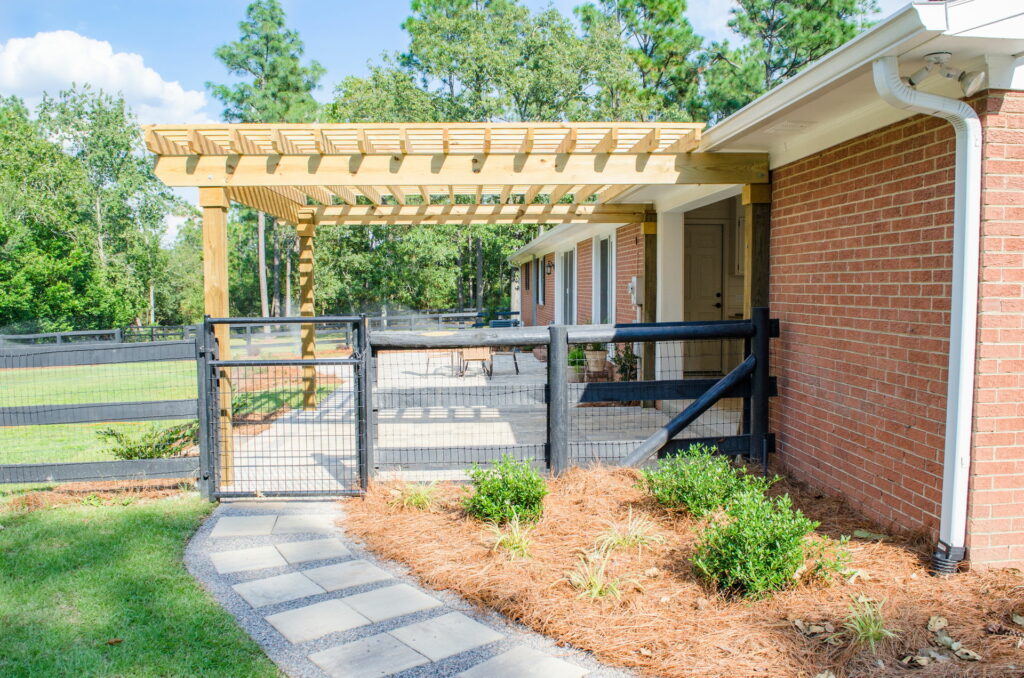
{"x": 322, "y": 606}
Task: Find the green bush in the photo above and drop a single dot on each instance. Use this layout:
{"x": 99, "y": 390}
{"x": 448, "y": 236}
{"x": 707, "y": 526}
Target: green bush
{"x": 757, "y": 547}
{"x": 698, "y": 480}
{"x": 511, "y": 489}
{"x": 152, "y": 442}
{"x": 577, "y": 358}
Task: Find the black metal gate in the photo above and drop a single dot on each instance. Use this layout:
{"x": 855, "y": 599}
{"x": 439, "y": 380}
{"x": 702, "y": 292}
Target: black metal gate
{"x": 279, "y": 421}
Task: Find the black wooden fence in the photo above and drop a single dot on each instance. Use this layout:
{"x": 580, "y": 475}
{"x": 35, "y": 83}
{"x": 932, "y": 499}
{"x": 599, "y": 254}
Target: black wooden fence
{"x": 31, "y": 372}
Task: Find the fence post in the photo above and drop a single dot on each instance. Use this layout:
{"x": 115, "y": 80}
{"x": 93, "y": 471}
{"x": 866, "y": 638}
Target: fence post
{"x": 759, "y": 386}
{"x": 558, "y": 399}
{"x": 364, "y": 400}
{"x": 118, "y": 336}
{"x": 205, "y": 434}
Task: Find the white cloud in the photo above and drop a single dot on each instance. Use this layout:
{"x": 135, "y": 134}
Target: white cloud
{"x": 49, "y": 62}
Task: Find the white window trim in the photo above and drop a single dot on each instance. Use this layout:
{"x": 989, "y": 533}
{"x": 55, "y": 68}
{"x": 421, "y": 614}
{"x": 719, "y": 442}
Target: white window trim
{"x": 595, "y": 289}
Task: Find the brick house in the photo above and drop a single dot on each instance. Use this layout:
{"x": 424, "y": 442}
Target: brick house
{"x": 886, "y": 228}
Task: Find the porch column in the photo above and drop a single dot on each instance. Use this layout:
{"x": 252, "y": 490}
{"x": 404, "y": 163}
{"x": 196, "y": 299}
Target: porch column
{"x": 306, "y": 232}
{"x": 649, "y": 293}
{"x": 757, "y": 209}
{"x": 214, "y": 203}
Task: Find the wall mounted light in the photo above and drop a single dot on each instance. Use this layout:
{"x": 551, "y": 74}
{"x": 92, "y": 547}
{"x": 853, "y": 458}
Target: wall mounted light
{"x": 970, "y": 81}
{"x": 549, "y": 268}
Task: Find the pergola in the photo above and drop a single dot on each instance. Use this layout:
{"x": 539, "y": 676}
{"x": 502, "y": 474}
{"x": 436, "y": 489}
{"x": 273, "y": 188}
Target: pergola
{"x": 455, "y": 173}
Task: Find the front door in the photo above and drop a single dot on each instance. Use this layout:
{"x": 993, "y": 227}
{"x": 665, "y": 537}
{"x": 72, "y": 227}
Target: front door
{"x": 702, "y": 293}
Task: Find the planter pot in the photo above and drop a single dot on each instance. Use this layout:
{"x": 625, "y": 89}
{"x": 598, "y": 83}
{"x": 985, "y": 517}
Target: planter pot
{"x": 540, "y": 353}
{"x": 596, "y": 360}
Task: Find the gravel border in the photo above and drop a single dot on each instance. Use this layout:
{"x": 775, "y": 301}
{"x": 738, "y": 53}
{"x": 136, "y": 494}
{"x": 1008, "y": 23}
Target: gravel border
{"x": 293, "y": 659}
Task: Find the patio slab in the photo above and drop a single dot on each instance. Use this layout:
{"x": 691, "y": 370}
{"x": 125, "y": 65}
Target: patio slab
{"x": 243, "y": 526}
{"x": 346, "y": 575}
{"x": 279, "y": 589}
{"x": 391, "y": 601}
{"x": 317, "y": 620}
{"x": 373, "y": 657}
{"x": 446, "y": 635}
{"x": 524, "y": 662}
{"x": 303, "y": 524}
{"x": 316, "y": 549}
{"x": 240, "y": 560}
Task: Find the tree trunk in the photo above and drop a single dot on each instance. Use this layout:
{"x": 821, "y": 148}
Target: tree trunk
{"x": 276, "y": 281}
{"x": 462, "y": 281}
{"x": 101, "y": 250}
{"x": 479, "y": 275}
{"x": 261, "y": 249}
{"x": 152, "y": 305}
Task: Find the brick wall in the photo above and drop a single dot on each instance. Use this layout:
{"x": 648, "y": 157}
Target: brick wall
{"x": 629, "y": 262}
{"x": 526, "y": 293}
{"x": 860, "y": 279}
{"x": 546, "y": 312}
{"x": 996, "y": 519}
{"x": 585, "y": 281}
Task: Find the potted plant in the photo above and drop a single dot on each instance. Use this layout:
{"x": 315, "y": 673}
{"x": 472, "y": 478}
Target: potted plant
{"x": 625, "y": 360}
{"x": 597, "y": 357}
{"x": 577, "y": 360}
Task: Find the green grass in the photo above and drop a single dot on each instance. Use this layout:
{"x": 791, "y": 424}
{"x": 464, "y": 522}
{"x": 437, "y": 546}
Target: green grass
{"x": 60, "y": 442}
{"x": 269, "y": 401}
{"x": 120, "y": 382}
{"x": 76, "y": 577}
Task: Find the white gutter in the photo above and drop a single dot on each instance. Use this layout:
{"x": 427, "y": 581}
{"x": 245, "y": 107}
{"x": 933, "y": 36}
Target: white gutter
{"x": 964, "y": 307}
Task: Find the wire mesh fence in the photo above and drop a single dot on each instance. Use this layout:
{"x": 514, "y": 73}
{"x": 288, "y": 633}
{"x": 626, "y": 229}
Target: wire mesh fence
{"x": 285, "y": 399}
{"x": 621, "y": 393}
{"x": 65, "y": 406}
{"x": 441, "y": 410}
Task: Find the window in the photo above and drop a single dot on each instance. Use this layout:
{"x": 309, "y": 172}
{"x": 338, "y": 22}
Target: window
{"x": 569, "y": 287}
{"x": 526, "y": 275}
{"x": 538, "y": 289}
{"x": 603, "y": 282}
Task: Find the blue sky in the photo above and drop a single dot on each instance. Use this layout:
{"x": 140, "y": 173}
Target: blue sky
{"x": 160, "y": 52}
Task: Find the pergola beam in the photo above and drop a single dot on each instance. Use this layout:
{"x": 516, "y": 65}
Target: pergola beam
{"x": 463, "y": 170}
{"x": 465, "y": 214}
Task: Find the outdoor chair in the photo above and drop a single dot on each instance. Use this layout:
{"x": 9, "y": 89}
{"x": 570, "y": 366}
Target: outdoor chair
{"x": 480, "y": 354}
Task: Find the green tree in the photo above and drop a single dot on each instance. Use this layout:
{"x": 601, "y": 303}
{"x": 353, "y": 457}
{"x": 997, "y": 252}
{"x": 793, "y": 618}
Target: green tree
{"x": 389, "y": 94}
{"x": 50, "y": 275}
{"x": 778, "y": 39}
{"x": 276, "y": 87}
{"x": 663, "y": 53}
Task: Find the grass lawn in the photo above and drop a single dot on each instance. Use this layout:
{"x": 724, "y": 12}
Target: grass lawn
{"x": 59, "y": 443}
{"x": 120, "y": 382}
{"x": 101, "y": 591}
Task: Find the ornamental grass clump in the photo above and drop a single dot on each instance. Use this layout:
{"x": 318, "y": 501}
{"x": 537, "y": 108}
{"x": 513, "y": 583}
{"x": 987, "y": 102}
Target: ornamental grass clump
{"x": 511, "y": 489}
{"x": 756, "y": 547}
{"x": 698, "y": 480}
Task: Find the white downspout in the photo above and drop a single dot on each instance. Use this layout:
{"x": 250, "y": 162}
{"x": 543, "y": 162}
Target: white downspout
{"x": 964, "y": 308}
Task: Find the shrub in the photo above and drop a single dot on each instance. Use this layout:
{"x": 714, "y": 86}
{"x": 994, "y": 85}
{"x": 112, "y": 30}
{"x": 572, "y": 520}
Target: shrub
{"x": 511, "y": 489}
{"x": 414, "y": 495}
{"x": 625, "y": 360}
{"x": 152, "y": 442}
{"x": 698, "y": 480}
{"x": 577, "y": 358}
{"x": 515, "y": 540}
{"x": 757, "y": 547}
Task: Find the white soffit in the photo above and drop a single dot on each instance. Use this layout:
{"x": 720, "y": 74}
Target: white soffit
{"x": 835, "y": 100}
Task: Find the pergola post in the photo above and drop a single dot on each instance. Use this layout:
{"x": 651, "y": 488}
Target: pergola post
{"x": 306, "y": 232}
{"x": 215, "y": 203}
{"x": 649, "y": 294}
{"x": 756, "y": 200}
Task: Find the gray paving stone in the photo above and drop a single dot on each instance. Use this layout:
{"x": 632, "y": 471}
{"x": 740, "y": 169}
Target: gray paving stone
{"x": 317, "y": 549}
{"x": 243, "y": 526}
{"x": 317, "y": 620}
{"x": 300, "y": 524}
{"x": 446, "y": 635}
{"x": 524, "y": 662}
{"x": 239, "y": 560}
{"x": 279, "y": 589}
{"x": 345, "y": 575}
{"x": 390, "y": 602}
{"x": 373, "y": 657}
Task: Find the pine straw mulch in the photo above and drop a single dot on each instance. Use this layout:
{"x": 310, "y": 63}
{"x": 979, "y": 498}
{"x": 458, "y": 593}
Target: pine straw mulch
{"x": 667, "y": 623}
{"x": 105, "y": 492}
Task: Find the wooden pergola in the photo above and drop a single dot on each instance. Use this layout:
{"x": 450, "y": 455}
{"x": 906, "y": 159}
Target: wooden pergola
{"x": 455, "y": 173}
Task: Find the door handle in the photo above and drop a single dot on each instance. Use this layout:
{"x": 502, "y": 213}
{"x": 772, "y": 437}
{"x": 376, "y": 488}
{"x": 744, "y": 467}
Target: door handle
{"x": 718, "y": 305}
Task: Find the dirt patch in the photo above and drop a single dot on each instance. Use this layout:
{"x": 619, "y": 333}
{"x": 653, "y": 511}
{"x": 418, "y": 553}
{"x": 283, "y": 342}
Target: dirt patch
{"x": 667, "y": 623}
{"x": 99, "y": 493}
